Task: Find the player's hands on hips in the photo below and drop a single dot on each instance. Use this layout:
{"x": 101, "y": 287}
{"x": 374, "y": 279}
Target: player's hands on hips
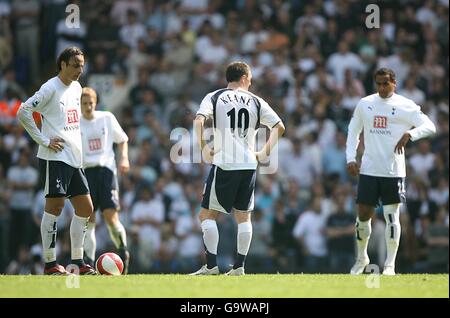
{"x": 402, "y": 143}
{"x": 353, "y": 169}
{"x": 124, "y": 166}
{"x": 208, "y": 154}
{"x": 56, "y": 144}
{"x": 261, "y": 156}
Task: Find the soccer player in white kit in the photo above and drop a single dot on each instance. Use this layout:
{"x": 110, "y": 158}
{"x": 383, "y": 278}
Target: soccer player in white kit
{"x": 60, "y": 157}
{"x": 388, "y": 121}
{"x": 99, "y": 132}
{"x": 236, "y": 115}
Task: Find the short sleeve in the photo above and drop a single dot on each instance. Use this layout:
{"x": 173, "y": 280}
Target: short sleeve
{"x": 119, "y": 135}
{"x": 206, "y": 107}
{"x": 268, "y": 115}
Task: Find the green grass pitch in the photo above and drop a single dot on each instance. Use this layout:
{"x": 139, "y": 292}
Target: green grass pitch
{"x": 249, "y": 286}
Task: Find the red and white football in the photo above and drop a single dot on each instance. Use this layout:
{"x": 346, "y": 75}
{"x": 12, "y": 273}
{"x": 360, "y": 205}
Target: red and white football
{"x": 109, "y": 264}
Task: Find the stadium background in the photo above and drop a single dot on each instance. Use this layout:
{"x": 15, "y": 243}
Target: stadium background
{"x": 153, "y": 61}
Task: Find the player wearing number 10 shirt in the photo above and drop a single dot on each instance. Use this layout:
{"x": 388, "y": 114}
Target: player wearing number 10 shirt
{"x": 236, "y": 116}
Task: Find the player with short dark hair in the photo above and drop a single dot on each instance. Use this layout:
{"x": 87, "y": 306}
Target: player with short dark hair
{"x": 236, "y": 114}
{"x": 100, "y": 130}
{"x": 388, "y": 121}
{"x": 60, "y": 157}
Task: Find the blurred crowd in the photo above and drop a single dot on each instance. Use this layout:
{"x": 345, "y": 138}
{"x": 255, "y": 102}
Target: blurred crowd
{"x": 152, "y": 62}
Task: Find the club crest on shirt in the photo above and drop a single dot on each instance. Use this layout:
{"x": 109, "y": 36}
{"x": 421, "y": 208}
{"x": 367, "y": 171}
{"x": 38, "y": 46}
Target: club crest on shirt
{"x": 37, "y": 100}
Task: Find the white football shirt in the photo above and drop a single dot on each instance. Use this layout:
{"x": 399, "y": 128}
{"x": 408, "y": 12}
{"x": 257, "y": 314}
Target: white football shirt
{"x": 236, "y": 117}
{"x": 59, "y": 106}
{"x": 98, "y": 136}
{"x": 384, "y": 121}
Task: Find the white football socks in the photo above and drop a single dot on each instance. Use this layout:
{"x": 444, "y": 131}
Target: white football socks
{"x": 78, "y": 228}
{"x": 118, "y": 235}
{"x": 392, "y": 232}
{"x": 363, "y": 231}
{"x": 48, "y": 234}
{"x": 90, "y": 242}
{"x": 210, "y": 235}
{"x": 244, "y": 237}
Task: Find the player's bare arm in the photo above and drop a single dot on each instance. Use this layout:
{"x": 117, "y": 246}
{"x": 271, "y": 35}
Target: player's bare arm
{"x": 124, "y": 163}
{"x": 199, "y": 124}
{"x": 275, "y": 134}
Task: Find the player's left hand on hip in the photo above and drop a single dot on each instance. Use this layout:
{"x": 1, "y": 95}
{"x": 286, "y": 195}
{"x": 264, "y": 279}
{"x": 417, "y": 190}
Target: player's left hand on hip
{"x": 124, "y": 167}
{"x": 208, "y": 153}
{"x": 402, "y": 143}
{"x": 261, "y": 156}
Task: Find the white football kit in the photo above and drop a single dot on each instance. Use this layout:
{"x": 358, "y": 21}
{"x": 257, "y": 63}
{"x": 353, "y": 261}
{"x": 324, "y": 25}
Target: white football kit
{"x": 384, "y": 121}
{"x": 236, "y": 115}
{"x": 98, "y": 136}
{"x": 59, "y": 106}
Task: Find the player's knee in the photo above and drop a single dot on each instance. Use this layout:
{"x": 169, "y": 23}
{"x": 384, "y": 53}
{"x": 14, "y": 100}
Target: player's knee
{"x": 203, "y": 215}
{"x": 55, "y": 209}
{"x": 206, "y": 214}
{"x": 54, "y": 206}
{"x": 365, "y": 212}
{"x": 242, "y": 217}
{"x": 84, "y": 206}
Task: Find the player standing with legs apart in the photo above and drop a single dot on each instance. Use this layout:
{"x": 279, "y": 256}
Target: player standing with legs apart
{"x": 387, "y": 120}
{"x": 60, "y": 157}
{"x": 99, "y": 131}
{"x": 236, "y": 115}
